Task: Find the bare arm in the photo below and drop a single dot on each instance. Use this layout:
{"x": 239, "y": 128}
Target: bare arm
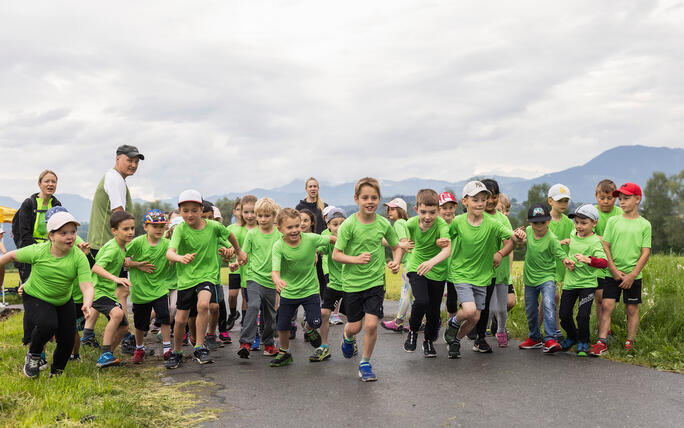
{"x": 280, "y": 284}
{"x": 241, "y": 255}
{"x": 100, "y": 271}
{"x": 174, "y": 257}
{"x": 361, "y": 259}
{"x": 88, "y": 292}
{"x": 426, "y": 266}
{"x": 8, "y": 257}
{"x": 506, "y": 250}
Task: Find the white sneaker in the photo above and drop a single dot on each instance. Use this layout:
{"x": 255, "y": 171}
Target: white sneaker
{"x": 335, "y": 320}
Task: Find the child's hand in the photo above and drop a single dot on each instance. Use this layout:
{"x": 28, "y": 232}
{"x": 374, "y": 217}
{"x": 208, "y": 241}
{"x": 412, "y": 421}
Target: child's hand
{"x": 497, "y": 259}
{"x": 443, "y": 242}
{"x": 394, "y": 266}
{"x": 280, "y": 284}
{"x": 406, "y": 245}
{"x": 187, "y": 258}
{"x": 582, "y": 258}
{"x": 363, "y": 258}
{"x": 20, "y": 290}
{"x": 627, "y": 280}
{"x": 424, "y": 268}
{"x": 146, "y": 267}
{"x": 226, "y": 253}
{"x": 519, "y": 234}
{"x": 242, "y": 258}
{"x": 565, "y": 241}
{"x": 569, "y": 264}
{"x": 85, "y": 247}
{"x": 86, "y": 311}
{"x": 123, "y": 281}
{"x": 234, "y": 266}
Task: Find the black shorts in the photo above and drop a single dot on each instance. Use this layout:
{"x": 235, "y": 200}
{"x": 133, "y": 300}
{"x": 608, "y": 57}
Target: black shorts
{"x": 104, "y": 305}
{"x": 234, "y": 281}
{"x": 80, "y": 318}
{"x": 142, "y": 312}
{"x": 369, "y": 301}
{"x": 602, "y": 282}
{"x": 511, "y": 289}
{"x": 630, "y": 296}
{"x": 331, "y": 298}
{"x": 187, "y": 299}
{"x": 288, "y": 307}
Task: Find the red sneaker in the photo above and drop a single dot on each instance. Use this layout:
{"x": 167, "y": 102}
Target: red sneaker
{"x": 167, "y": 354}
{"x": 599, "y": 348}
{"x": 629, "y": 345}
{"x": 245, "y": 348}
{"x": 530, "y": 343}
{"x": 551, "y": 346}
{"x": 225, "y": 337}
{"x": 138, "y": 356}
{"x": 270, "y": 351}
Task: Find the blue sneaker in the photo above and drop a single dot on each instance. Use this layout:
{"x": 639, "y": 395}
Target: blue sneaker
{"x": 349, "y": 349}
{"x": 256, "y": 343}
{"x": 366, "y": 373}
{"x": 566, "y": 344}
{"x": 106, "y": 360}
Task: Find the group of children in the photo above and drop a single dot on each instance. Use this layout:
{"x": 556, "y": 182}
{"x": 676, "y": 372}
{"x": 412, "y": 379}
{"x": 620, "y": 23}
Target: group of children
{"x": 596, "y": 252}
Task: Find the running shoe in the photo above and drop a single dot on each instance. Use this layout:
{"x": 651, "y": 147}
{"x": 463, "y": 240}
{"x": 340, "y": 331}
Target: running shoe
{"x": 185, "y": 339}
{"x": 201, "y": 355}
{"x": 582, "y": 349}
{"x": 451, "y": 330}
{"x": 167, "y": 354}
{"x": 629, "y": 345}
{"x": 313, "y": 338}
{"x": 230, "y": 322}
{"x": 107, "y": 360}
{"x": 502, "y": 340}
{"x": 244, "y": 350}
{"x": 551, "y": 346}
{"x": 482, "y": 346}
{"x": 282, "y": 359}
{"x": 57, "y": 374}
{"x": 75, "y": 358}
{"x": 320, "y": 354}
{"x": 128, "y": 344}
{"x": 211, "y": 342}
{"x": 270, "y": 350}
{"x": 256, "y": 344}
{"x": 335, "y": 319}
{"x": 366, "y": 372}
{"x": 530, "y": 343}
{"x": 175, "y": 360}
{"x": 32, "y": 367}
{"x": 472, "y": 335}
{"x": 225, "y": 338}
{"x": 138, "y": 356}
{"x": 349, "y": 349}
{"x": 429, "y": 349}
{"x": 597, "y": 349}
{"x": 454, "y": 350}
{"x": 43, "y": 363}
{"x": 90, "y": 340}
{"x": 392, "y": 325}
{"x": 410, "y": 343}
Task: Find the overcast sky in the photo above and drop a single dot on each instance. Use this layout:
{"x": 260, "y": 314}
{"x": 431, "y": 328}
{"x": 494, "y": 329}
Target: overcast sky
{"x": 227, "y": 96}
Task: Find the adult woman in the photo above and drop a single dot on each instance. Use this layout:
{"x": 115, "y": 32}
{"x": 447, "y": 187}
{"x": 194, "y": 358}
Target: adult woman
{"x": 315, "y": 204}
{"x": 29, "y": 226}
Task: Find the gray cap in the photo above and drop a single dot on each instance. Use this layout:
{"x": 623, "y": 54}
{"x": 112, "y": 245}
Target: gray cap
{"x": 130, "y": 151}
{"x": 472, "y": 188}
{"x": 586, "y": 211}
{"x": 335, "y": 213}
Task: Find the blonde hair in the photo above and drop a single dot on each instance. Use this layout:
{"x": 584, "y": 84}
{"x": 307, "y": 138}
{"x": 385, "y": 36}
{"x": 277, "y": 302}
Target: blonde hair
{"x": 367, "y": 181}
{"x": 319, "y": 202}
{"x": 44, "y": 173}
{"x": 504, "y": 201}
{"x": 286, "y": 213}
{"x": 267, "y": 205}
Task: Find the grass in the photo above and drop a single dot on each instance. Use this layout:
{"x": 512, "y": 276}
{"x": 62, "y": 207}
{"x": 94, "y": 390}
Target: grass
{"x": 660, "y": 339}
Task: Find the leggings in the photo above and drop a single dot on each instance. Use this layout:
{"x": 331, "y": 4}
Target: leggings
{"x": 499, "y": 306}
{"x": 567, "y": 303}
{"x": 452, "y": 298}
{"x": 481, "y": 326}
{"x": 406, "y": 298}
{"x": 42, "y": 320}
{"x": 428, "y": 299}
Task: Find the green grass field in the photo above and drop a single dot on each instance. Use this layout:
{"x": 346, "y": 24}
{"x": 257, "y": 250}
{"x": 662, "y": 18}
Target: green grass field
{"x": 660, "y": 340}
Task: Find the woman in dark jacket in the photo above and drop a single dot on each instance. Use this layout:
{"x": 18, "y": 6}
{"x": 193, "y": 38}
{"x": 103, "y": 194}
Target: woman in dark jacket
{"x": 28, "y": 225}
{"x": 315, "y": 204}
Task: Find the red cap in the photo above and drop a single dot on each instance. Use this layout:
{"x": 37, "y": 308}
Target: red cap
{"x": 445, "y": 197}
{"x": 627, "y": 189}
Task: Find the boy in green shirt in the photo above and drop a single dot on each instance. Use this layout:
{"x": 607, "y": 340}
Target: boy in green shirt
{"x": 447, "y": 210}
{"x": 149, "y": 272}
{"x": 359, "y": 247}
{"x": 294, "y": 274}
{"x": 194, "y": 245}
{"x": 627, "y": 241}
{"x": 427, "y": 269}
{"x": 260, "y": 288}
{"x": 585, "y": 260}
{"x": 476, "y": 256}
{"x": 108, "y": 263}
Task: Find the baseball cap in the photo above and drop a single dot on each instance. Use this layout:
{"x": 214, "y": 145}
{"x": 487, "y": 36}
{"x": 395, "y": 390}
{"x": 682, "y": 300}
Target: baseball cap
{"x": 176, "y": 221}
{"x": 558, "y": 192}
{"x": 217, "y": 212}
{"x": 627, "y": 189}
{"x": 538, "y": 213}
{"x": 472, "y": 188}
{"x": 130, "y": 151}
{"x": 54, "y": 210}
{"x": 326, "y": 210}
{"x": 397, "y": 203}
{"x": 155, "y": 216}
{"x": 190, "y": 195}
{"x": 445, "y": 197}
{"x": 59, "y": 219}
{"x": 586, "y": 211}
{"x": 335, "y": 212}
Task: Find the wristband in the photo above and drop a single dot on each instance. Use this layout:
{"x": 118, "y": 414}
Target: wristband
{"x": 500, "y": 253}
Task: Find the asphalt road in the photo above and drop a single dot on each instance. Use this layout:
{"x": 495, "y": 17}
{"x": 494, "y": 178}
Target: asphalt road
{"x": 509, "y": 387}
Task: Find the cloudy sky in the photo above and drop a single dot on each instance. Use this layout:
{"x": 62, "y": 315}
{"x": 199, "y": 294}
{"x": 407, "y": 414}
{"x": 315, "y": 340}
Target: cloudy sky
{"x": 227, "y": 96}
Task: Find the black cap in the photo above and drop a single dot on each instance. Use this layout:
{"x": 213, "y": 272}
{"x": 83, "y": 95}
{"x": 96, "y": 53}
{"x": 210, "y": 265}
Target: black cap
{"x": 130, "y": 151}
{"x": 538, "y": 213}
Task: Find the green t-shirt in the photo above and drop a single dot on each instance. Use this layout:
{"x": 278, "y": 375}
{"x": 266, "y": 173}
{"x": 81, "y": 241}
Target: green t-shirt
{"x": 76, "y": 292}
{"x": 502, "y": 274}
{"x": 149, "y": 286}
{"x": 354, "y": 238}
{"x": 476, "y": 245}
{"x": 561, "y": 229}
{"x": 601, "y": 228}
{"x": 52, "y": 277}
{"x": 541, "y": 257}
{"x": 334, "y": 268}
{"x": 626, "y": 238}
{"x": 324, "y": 260}
{"x": 111, "y": 258}
{"x": 402, "y": 233}
{"x": 258, "y": 247}
{"x": 297, "y": 265}
{"x": 205, "y": 243}
{"x": 426, "y": 248}
{"x": 583, "y": 275}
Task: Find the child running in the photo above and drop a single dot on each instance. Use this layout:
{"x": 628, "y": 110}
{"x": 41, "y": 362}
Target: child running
{"x": 294, "y": 274}
{"x": 235, "y": 277}
{"x": 627, "y": 241}
{"x": 359, "y": 247}
{"x": 447, "y": 210}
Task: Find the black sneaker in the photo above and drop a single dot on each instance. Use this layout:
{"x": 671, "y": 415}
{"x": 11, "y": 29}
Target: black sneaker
{"x": 451, "y": 331}
{"x": 410, "y": 344}
{"x": 230, "y": 322}
{"x": 429, "y": 349}
{"x": 482, "y": 346}
{"x": 211, "y": 342}
{"x": 90, "y": 340}
{"x": 128, "y": 345}
{"x": 56, "y": 374}
{"x": 201, "y": 355}
{"x": 32, "y": 367}
{"x": 282, "y": 359}
{"x": 314, "y": 338}
{"x": 455, "y": 350}
{"x": 174, "y": 361}
{"x": 472, "y": 335}
{"x": 43, "y": 365}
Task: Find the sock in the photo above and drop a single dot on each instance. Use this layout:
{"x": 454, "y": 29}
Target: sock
{"x": 347, "y": 339}
{"x": 324, "y": 346}
{"x": 457, "y": 340}
{"x": 284, "y": 351}
{"x": 309, "y": 330}
{"x": 88, "y": 332}
{"x": 166, "y": 346}
{"x": 197, "y": 346}
{"x": 602, "y": 340}
{"x": 139, "y": 346}
{"x": 42, "y": 355}
{"x": 365, "y": 360}
{"x": 106, "y": 348}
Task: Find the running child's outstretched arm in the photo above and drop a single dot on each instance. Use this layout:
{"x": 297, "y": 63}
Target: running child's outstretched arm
{"x": 241, "y": 255}
{"x": 99, "y": 270}
{"x": 8, "y": 257}
{"x": 174, "y": 257}
{"x": 361, "y": 259}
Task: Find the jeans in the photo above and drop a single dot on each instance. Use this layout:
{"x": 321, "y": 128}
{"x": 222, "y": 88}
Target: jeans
{"x": 548, "y": 292}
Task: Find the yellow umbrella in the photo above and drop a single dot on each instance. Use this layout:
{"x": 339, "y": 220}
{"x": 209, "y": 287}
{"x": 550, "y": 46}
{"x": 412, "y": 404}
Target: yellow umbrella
{"x": 6, "y": 214}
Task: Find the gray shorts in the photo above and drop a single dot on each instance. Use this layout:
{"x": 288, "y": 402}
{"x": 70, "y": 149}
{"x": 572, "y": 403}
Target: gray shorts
{"x": 471, "y": 293}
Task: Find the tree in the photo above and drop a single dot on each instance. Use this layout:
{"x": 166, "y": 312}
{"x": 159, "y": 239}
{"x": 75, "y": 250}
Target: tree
{"x": 663, "y": 207}
{"x": 537, "y": 194}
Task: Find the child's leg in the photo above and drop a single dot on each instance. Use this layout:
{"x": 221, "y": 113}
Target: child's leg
{"x": 77, "y": 344}
{"x": 312, "y": 312}
{"x": 632, "y": 320}
{"x": 370, "y": 336}
{"x": 122, "y": 294}
{"x": 451, "y": 300}
{"x": 325, "y": 326}
{"x": 173, "y": 298}
{"x": 435, "y": 293}
{"x": 202, "y": 320}
{"x": 548, "y": 292}
{"x": 249, "y": 321}
{"x": 141, "y": 321}
{"x": 499, "y": 306}
{"x": 586, "y": 299}
{"x": 64, "y": 336}
{"x": 472, "y": 300}
{"x": 406, "y": 297}
{"x": 179, "y": 327}
{"x": 598, "y": 297}
{"x": 510, "y": 299}
{"x": 484, "y": 315}
{"x": 110, "y": 332}
{"x": 212, "y": 327}
{"x": 611, "y": 294}
{"x": 419, "y": 287}
{"x": 532, "y": 311}
{"x": 285, "y": 310}
{"x": 118, "y": 335}
{"x": 567, "y": 304}
{"x": 268, "y": 300}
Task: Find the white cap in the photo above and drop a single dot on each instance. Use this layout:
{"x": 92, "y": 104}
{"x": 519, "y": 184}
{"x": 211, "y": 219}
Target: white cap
{"x": 558, "y": 192}
{"x": 326, "y": 210}
{"x": 217, "y": 212}
{"x": 60, "y": 219}
{"x": 190, "y": 195}
{"x": 473, "y": 188}
{"x": 587, "y": 210}
{"x": 176, "y": 221}
{"x": 397, "y": 203}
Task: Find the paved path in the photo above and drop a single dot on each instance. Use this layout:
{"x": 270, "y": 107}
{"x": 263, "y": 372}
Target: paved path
{"x": 509, "y": 387}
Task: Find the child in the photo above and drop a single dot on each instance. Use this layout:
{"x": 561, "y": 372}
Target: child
{"x": 427, "y": 269}
{"x": 234, "y": 278}
{"x": 108, "y": 263}
{"x": 605, "y": 204}
{"x": 627, "y": 241}
{"x": 504, "y": 206}
{"x": 172, "y": 278}
{"x": 194, "y": 245}
{"x": 478, "y": 241}
{"x": 539, "y": 273}
{"x": 249, "y": 222}
{"x": 260, "y": 289}
{"x": 149, "y": 276}
{"x": 359, "y": 247}
{"x": 334, "y": 318}
{"x": 334, "y": 293}
{"x": 308, "y": 225}
{"x": 294, "y": 274}
{"x": 585, "y": 259}
{"x": 396, "y": 212}
{"x": 447, "y": 210}
{"x": 48, "y": 307}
